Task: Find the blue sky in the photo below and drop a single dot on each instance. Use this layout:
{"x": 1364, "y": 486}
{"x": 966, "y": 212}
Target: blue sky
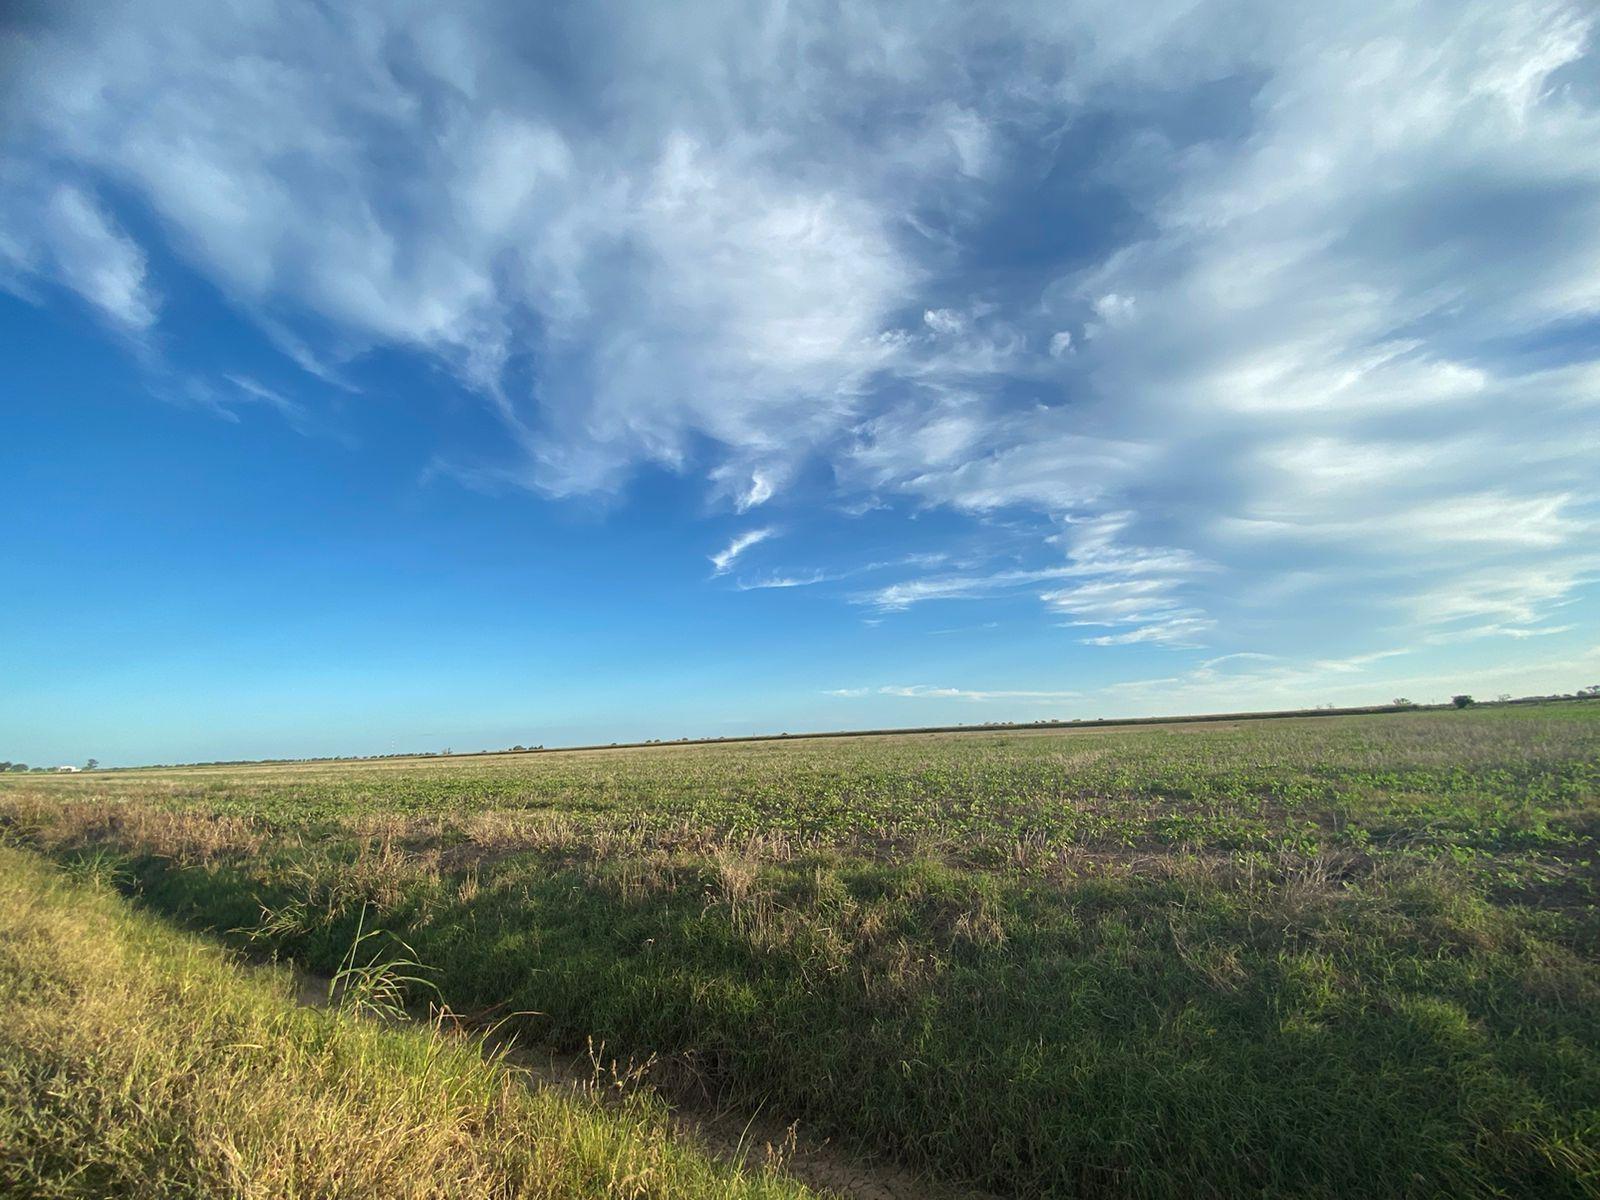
{"x": 396, "y": 376}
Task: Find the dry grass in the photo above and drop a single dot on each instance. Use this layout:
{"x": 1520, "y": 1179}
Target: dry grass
{"x": 135, "y": 1062}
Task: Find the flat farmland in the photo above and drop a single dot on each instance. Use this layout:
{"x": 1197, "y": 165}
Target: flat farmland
{"x": 1321, "y": 956}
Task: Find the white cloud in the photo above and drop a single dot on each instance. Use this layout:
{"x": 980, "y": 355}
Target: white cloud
{"x": 1318, "y": 329}
{"x": 1113, "y": 309}
{"x": 74, "y": 242}
{"x": 1299, "y": 683}
{"x": 925, "y": 692}
{"x": 781, "y": 582}
{"x": 1175, "y": 630}
{"x": 258, "y": 393}
{"x": 99, "y": 261}
{"x": 1519, "y": 598}
{"x": 723, "y": 560}
{"x": 759, "y": 492}
{"x": 1517, "y": 632}
{"x": 1250, "y": 680}
{"x": 1142, "y": 590}
{"x": 902, "y": 595}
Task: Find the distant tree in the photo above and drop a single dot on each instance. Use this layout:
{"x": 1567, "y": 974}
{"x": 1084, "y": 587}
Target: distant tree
{"x": 1503, "y": 697}
{"x": 17, "y": 767}
{"x": 92, "y": 765}
{"x": 1402, "y": 702}
{"x": 1592, "y": 690}
{"x": 1462, "y": 701}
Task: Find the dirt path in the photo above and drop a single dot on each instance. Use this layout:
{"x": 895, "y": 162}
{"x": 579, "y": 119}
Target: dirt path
{"x": 727, "y": 1135}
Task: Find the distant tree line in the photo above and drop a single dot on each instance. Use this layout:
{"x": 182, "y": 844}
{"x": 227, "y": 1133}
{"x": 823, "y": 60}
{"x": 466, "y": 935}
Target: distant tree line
{"x": 1463, "y": 700}
{"x": 92, "y": 765}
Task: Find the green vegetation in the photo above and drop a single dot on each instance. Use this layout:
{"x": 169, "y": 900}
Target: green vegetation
{"x": 138, "y": 1062}
{"x": 1338, "y": 956}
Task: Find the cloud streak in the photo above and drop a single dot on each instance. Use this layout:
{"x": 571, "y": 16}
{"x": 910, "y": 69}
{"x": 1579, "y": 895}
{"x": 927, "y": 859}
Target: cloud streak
{"x": 926, "y": 692}
{"x": 722, "y": 561}
{"x": 74, "y": 241}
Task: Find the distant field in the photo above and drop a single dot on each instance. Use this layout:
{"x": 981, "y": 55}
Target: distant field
{"x": 1339, "y": 956}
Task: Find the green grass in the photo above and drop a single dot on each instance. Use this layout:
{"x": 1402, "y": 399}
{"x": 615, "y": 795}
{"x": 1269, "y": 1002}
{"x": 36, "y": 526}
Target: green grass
{"x": 139, "y": 1062}
{"x": 1311, "y": 957}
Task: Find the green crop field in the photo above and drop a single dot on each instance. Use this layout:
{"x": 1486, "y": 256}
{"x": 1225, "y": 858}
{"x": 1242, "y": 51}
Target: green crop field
{"x": 1318, "y": 957}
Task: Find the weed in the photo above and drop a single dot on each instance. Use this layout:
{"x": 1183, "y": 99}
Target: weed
{"x": 369, "y": 984}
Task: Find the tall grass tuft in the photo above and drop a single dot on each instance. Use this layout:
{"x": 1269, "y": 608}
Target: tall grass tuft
{"x": 373, "y": 985}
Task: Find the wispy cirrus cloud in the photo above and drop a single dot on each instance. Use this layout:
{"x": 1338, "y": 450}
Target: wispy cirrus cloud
{"x": 1249, "y": 680}
{"x": 1217, "y": 299}
{"x": 72, "y": 240}
{"x": 926, "y": 692}
{"x": 1371, "y": 678}
{"x": 722, "y": 561}
{"x": 779, "y": 582}
{"x": 1142, "y": 592}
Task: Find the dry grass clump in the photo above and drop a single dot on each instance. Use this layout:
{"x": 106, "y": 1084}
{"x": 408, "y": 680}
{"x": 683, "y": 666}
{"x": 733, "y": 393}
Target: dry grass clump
{"x": 138, "y": 825}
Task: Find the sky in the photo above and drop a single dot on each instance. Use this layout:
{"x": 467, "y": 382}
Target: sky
{"x": 396, "y": 376}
